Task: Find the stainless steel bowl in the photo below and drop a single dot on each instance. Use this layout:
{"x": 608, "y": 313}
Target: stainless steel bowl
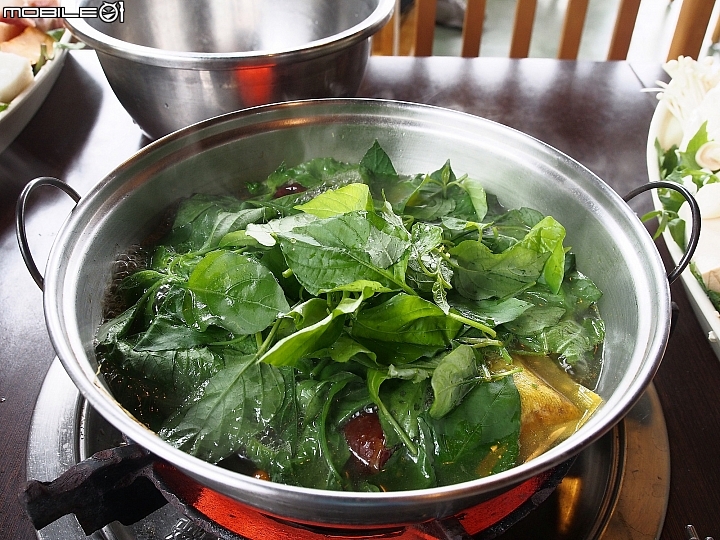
{"x": 172, "y": 63}
{"x": 223, "y": 153}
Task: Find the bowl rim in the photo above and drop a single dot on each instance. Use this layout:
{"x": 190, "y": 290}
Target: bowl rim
{"x": 104, "y": 43}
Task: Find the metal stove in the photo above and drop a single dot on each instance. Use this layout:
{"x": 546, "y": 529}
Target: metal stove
{"x": 616, "y": 489}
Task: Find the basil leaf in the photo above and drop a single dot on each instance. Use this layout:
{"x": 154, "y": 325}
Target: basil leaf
{"x": 375, "y": 378}
{"x": 477, "y": 195}
{"x": 536, "y": 319}
{"x": 481, "y": 274}
{"x": 165, "y": 334}
{"x": 199, "y": 216}
{"x": 134, "y": 286}
{"x": 574, "y": 341}
{"x": 345, "y": 348}
{"x": 490, "y": 312}
{"x": 405, "y": 471}
{"x": 264, "y": 232}
{"x": 441, "y": 194}
{"x": 158, "y": 382}
{"x": 377, "y": 161}
{"x": 318, "y": 450}
{"x": 313, "y": 174}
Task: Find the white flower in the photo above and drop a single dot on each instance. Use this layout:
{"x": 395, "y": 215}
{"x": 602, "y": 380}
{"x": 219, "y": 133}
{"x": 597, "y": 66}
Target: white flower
{"x": 708, "y": 156}
{"x": 693, "y": 95}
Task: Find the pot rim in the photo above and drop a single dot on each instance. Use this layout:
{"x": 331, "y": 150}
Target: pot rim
{"x": 143, "y": 54}
{"x": 264, "y": 495}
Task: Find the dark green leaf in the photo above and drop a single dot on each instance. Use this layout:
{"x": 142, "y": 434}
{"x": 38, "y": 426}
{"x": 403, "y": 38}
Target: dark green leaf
{"x": 235, "y": 292}
{"x": 155, "y": 383}
{"x": 377, "y": 161}
{"x": 407, "y": 471}
{"x": 405, "y": 319}
{"x": 201, "y": 220}
{"x": 314, "y": 174}
{"x": 536, "y": 319}
{"x": 482, "y": 274}
{"x": 454, "y": 377}
{"x": 489, "y": 415}
{"x": 334, "y": 252}
{"x": 489, "y": 312}
{"x": 237, "y": 403}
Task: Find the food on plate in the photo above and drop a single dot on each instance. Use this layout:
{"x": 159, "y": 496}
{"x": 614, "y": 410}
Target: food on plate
{"x": 691, "y": 155}
{"x": 31, "y": 43}
{"x": 342, "y": 326}
{"x": 706, "y": 260}
{"x": 15, "y": 75}
{"x": 25, "y": 46}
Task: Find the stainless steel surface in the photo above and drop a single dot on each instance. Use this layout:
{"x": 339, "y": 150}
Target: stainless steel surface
{"x": 221, "y": 155}
{"x": 172, "y": 63}
{"x": 617, "y": 488}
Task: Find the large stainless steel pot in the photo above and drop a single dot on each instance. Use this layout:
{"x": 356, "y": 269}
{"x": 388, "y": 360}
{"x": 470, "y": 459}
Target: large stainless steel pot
{"x": 172, "y": 63}
{"x": 221, "y": 154}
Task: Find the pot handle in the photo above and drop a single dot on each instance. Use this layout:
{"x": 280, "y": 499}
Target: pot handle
{"x": 20, "y": 220}
{"x": 695, "y": 212}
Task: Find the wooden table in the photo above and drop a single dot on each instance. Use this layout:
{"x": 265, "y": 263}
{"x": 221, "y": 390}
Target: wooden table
{"x": 593, "y": 111}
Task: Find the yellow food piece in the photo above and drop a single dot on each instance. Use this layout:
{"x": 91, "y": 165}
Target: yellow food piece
{"x": 552, "y": 405}
{"x": 28, "y": 44}
{"x": 15, "y": 75}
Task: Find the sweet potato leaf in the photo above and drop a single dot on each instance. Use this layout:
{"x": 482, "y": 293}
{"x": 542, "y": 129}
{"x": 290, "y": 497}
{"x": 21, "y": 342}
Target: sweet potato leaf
{"x": 327, "y": 254}
{"x": 452, "y": 379}
{"x": 405, "y": 319}
{"x": 235, "y": 404}
{"x": 335, "y": 202}
{"x": 488, "y": 415}
{"x": 233, "y": 291}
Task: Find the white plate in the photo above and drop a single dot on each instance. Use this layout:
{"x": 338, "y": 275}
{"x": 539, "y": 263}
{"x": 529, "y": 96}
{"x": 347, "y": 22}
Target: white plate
{"x": 667, "y": 129}
{"x": 25, "y": 105}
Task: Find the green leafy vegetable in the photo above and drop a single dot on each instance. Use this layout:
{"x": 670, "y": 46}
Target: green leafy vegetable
{"x": 331, "y": 253}
{"x": 235, "y": 404}
{"x": 234, "y": 292}
{"x": 259, "y": 329}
